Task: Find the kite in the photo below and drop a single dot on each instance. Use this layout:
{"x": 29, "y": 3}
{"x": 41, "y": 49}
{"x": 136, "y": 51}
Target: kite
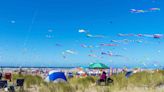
{"x": 90, "y": 46}
{"x": 94, "y": 36}
{"x": 115, "y": 41}
{"x": 125, "y": 34}
{"x": 58, "y": 45}
{"x": 140, "y": 35}
{"x": 108, "y": 44}
{"x": 154, "y": 9}
{"x": 139, "y": 41}
{"x": 70, "y": 52}
{"x": 85, "y": 46}
{"x": 49, "y": 36}
{"x": 157, "y": 36}
{"x": 95, "y": 56}
{"x": 137, "y": 11}
{"x": 92, "y": 55}
{"x": 90, "y": 35}
{"x": 104, "y": 53}
{"x": 147, "y": 35}
{"x": 82, "y": 31}
{"x": 126, "y": 41}
{"x": 63, "y": 55}
{"x": 111, "y": 54}
{"x": 143, "y": 11}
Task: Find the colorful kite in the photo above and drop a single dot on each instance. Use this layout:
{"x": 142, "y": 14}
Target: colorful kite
{"x": 137, "y": 11}
{"x": 143, "y": 11}
{"x": 110, "y": 54}
{"x": 157, "y": 36}
{"x": 154, "y": 9}
{"x": 140, "y": 35}
{"x": 90, "y": 35}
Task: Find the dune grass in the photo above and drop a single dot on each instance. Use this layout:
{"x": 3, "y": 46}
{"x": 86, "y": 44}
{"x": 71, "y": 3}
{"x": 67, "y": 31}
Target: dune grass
{"x": 139, "y": 82}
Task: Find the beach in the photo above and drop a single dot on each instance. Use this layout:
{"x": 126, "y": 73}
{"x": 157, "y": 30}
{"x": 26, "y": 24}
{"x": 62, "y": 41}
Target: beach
{"x": 82, "y": 46}
{"x": 140, "y": 81}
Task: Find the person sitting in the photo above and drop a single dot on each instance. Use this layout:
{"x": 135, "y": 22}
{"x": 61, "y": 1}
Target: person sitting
{"x": 103, "y": 77}
{"x": 1, "y": 76}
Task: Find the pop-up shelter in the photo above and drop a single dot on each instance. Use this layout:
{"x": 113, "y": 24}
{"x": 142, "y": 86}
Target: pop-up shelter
{"x": 56, "y": 77}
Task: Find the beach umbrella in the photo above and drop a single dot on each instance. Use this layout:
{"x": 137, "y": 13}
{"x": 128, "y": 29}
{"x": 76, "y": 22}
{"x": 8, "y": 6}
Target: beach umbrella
{"x": 56, "y": 77}
{"x": 98, "y": 66}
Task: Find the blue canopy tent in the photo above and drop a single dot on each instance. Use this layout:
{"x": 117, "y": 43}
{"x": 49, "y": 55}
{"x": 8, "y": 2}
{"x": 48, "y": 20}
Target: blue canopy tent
{"x": 56, "y": 77}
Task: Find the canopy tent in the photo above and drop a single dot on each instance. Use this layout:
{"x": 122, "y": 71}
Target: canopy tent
{"x": 56, "y": 77}
{"x": 98, "y": 66}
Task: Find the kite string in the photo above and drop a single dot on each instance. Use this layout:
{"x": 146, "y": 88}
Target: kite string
{"x": 30, "y": 28}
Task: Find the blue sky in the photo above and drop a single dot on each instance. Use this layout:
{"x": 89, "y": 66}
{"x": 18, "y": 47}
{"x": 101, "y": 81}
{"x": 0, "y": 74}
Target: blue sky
{"x": 24, "y": 25}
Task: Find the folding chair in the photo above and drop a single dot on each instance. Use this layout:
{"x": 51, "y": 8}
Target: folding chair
{"x": 3, "y": 84}
{"x": 20, "y": 83}
{"x": 11, "y": 89}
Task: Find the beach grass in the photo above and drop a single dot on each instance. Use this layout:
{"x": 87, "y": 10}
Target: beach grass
{"x": 139, "y": 82}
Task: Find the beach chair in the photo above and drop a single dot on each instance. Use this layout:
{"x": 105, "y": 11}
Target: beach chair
{"x": 3, "y": 85}
{"x": 101, "y": 82}
{"x": 70, "y": 75}
{"x": 104, "y": 82}
{"x": 8, "y": 76}
{"x": 109, "y": 80}
{"x": 11, "y": 89}
{"x": 20, "y": 84}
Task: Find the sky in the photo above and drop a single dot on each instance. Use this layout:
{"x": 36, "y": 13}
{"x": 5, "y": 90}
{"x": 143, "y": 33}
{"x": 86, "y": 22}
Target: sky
{"x": 30, "y": 30}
